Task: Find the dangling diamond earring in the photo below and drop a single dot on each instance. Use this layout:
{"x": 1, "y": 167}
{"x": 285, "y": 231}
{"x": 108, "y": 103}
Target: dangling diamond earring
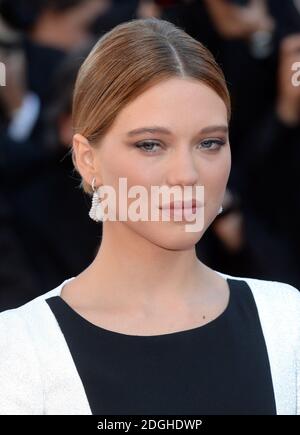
{"x": 220, "y": 210}
{"x": 96, "y": 211}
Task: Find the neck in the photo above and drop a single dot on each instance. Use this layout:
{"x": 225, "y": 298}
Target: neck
{"x": 130, "y": 269}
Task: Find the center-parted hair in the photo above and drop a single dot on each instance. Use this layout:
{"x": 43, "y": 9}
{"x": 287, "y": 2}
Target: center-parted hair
{"x": 128, "y": 60}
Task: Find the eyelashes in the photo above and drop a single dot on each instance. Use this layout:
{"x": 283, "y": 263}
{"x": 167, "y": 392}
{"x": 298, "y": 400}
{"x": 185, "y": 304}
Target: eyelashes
{"x": 207, "y": 144}
{"x": 143, "y": 146}
{"x": 217, "y": 142}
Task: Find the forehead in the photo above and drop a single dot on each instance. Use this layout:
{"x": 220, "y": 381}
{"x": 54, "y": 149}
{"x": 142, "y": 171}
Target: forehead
{"x": 176, "y": 103}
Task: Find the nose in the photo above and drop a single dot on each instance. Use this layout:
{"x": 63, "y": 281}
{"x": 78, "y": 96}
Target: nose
{"x": 182, "y": 169}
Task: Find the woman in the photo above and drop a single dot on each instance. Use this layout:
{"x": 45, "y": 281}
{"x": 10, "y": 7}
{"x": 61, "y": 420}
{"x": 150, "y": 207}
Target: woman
{"x": 147, "y": 328}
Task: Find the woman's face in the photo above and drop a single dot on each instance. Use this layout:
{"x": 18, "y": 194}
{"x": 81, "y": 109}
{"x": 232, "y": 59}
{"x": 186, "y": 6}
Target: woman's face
{"x": 195, "y": 152}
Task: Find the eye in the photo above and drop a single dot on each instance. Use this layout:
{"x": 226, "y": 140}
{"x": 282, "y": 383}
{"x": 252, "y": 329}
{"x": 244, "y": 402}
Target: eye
{"x": 212, "y": 144}
{"x": 147, "y": 146}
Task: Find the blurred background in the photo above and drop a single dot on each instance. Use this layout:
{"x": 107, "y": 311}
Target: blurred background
{"x": 46, "y": 235}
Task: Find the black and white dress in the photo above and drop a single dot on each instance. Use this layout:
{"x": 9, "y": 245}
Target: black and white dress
{"x": 218, "y": 368}
{"x": 246, "y": 361}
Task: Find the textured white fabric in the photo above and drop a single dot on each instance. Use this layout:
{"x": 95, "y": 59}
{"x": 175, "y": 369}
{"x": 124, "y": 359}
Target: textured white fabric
{"x": 278, "y": 307}
{"x": 38, "y": 374}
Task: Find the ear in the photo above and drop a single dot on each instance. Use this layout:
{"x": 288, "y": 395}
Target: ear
{"x": 85, "y": 158}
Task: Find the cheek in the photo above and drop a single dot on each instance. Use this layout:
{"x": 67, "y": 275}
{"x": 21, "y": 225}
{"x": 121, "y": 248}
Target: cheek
{"x": 136, "y": 173}
{"x": 215, "y": 177}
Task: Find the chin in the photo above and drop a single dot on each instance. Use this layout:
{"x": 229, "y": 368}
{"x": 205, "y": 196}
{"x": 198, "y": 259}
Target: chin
{"x": 170, "y": 235}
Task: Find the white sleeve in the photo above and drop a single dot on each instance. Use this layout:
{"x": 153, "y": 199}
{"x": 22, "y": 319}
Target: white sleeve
{"x": 21, "y": 389}
{"x": 298, "y": 359}
{"x": 298, "y": 379}
{"x": 294, "y": 294}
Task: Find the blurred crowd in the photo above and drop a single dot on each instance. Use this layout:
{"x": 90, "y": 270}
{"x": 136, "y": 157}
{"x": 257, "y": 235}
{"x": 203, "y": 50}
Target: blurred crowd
{"x": 46, "y": 235}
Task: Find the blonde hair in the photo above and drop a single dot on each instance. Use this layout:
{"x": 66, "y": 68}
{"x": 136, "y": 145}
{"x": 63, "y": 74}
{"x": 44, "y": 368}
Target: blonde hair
{"x": 129, "y": 59}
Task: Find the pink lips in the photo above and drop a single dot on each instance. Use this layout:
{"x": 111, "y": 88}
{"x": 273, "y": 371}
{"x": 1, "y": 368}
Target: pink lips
{"x": 190, "y": 204}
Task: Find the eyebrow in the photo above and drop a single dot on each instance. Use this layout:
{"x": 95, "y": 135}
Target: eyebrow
{"x": 164, "y": 130}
